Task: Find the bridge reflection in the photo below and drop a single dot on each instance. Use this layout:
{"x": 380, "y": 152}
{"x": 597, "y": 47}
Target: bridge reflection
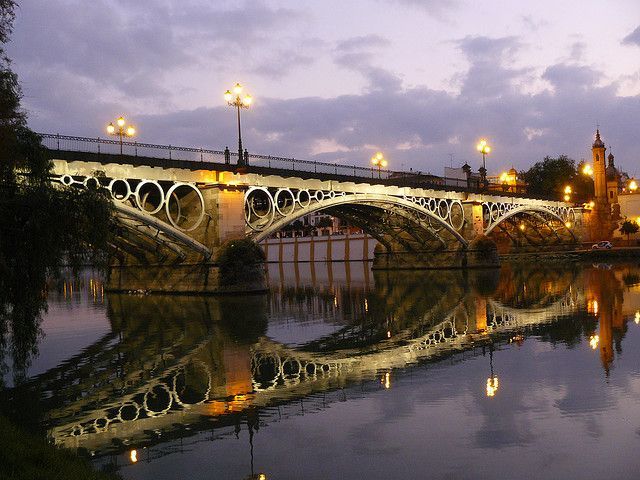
{"x": 174, "y": 365}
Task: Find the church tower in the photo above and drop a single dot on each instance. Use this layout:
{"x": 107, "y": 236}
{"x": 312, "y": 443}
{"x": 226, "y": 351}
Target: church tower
{"x": 599, "y": 170}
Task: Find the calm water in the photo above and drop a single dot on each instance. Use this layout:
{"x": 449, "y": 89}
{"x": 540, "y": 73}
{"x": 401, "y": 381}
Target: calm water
{"x": 338, "y": 372}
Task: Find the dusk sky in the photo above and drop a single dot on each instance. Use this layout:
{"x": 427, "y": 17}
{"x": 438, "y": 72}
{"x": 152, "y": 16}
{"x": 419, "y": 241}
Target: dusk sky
{"x": 336, "y": 81}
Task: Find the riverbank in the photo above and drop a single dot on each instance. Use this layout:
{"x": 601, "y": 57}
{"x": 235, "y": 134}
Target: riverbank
{"x": 586, "y": 255}
{"x": 27, "y": 457}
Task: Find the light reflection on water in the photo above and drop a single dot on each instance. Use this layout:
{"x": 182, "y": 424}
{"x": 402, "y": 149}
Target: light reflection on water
{"x": 343, "y": 372}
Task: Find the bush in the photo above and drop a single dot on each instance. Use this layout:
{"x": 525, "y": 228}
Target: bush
{"x": 240, "y": 261}
{"x": 483, "y": 244}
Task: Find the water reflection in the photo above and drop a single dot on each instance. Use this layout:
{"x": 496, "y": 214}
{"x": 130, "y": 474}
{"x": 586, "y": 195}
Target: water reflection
{"x": 171, "y": 367}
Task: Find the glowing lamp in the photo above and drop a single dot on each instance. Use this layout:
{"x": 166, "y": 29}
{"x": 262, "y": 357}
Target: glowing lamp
{"x": 228, "y": 96}
{"x": 131, "y": 131}
{"x": 111, "y": 129}
{"x": 237, "y": 89}
{"x": 567, "y": 190}
{"x": 120, "y": 122}
{"x": 633, "y": 185}
{"x": 247, "y": 100}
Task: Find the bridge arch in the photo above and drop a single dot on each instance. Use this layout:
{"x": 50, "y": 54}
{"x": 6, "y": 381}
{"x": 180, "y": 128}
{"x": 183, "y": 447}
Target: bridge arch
{"x": 266, "y": 213}
{"x": 497, "y": 215}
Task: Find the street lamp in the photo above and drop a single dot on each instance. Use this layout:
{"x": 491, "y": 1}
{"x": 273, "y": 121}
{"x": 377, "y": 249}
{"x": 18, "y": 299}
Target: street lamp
{"x": 492, "y": 382}
{"x": 587, "y": 169}
{"x": 633, "y": 185}
{"x": 567, "y": 193}
{"x": 379, "y": 161}
{"x": 234, "y": 99}
{"x": 484, "y": 148}
{"x": 121, "y": 131}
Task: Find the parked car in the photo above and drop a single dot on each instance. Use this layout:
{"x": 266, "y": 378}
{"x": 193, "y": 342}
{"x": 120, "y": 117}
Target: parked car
{"x": 604, "y": 245}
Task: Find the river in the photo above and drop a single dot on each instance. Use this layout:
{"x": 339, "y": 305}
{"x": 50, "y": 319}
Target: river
{"x": 529, "y": 371}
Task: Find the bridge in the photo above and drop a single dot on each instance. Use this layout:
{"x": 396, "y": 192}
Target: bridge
{"x": 178, "y": 207}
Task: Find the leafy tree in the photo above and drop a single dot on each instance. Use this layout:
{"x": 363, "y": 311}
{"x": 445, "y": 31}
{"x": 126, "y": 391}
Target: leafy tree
{"x": 549, "y": 177}
{"x": 627, "y": 228}
{"x": 324, "y": 222}
{"x": 43, "y": 227}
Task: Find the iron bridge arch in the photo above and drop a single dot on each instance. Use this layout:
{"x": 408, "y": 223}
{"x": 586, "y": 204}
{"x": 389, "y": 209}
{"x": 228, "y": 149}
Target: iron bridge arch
{"x": 268, "y": 210}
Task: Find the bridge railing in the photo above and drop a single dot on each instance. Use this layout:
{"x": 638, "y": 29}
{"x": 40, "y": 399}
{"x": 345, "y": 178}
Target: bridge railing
{"x": 112, "y": 147}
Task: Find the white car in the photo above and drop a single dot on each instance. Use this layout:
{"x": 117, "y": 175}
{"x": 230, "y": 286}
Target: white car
{"x": 604, "y": 245}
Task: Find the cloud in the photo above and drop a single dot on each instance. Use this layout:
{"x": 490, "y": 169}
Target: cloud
{"x": 440, "y": 9}
{"x": 359, "y": 53}
{"x": 79, "y": 65}
{"x": 569, "y": 76}
{"x": 633, "y": 38}
{"x": 362, "y": 42}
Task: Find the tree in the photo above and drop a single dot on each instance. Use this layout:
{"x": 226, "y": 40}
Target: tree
{"x": 43, "y": 227}
{"x": 549, "y": 177}
{"x": 627, "y": 228}
{"x": 324, "y": 222}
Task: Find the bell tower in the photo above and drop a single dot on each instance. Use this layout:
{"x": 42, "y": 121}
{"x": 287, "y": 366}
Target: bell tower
{"x": 599, "y": 170}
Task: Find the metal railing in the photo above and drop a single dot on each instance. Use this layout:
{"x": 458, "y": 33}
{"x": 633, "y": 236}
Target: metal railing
{"x": 110, "y": 147}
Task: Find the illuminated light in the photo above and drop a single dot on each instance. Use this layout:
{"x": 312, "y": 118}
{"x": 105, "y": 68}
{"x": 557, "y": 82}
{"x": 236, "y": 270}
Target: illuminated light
{"x": 366, "y": 305}
{"x": 595, "y": 307}
{"x": 133, "y": 455}
{"x": 592, "y": 204}
{"x": 633, "y": 185}
{"x": 247, "y": 100}
{"x": 262, "y": 476}
{"x": 388, "y": 333}
{"x": 567, "y": 198}
{"x": 383, "y": 163}
{"x": 567, "y": 224}
{"x": 131, "y": 131}
{"x": 335, "y": 302}
{"x": 228, "y": 96}
{"x": 522, "y": 227}
{"x": 120, "y": 122}
{"x": 379, "y": 156}
{"x": 492, "y": 386}
{"x": 487, "y": 149}
{"x": 237, "y": 89}
{"x": 504, "y": 177}
{"x": 386, "y": 380}
{"x": 593, "y": 341}
{"x": 111, "y": 129}
{"x": 568, "y": 190}
{"x": 587, "y": 169}
{"x": 637, "y": 317}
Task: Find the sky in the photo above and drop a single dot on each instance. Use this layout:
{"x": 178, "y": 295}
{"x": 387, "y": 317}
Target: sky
{"x": 420, "y": 80}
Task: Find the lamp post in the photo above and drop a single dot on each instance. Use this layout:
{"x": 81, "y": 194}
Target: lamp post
{"x": 567, "y": 193}
{"x": 492, "y": 382}
{"x": 379, "y": 161}
{"x": 484, "y": 148}
{"x": 121, "y": 131}
{"x": 633, "y": 185}
{"x": 234, "y": 99}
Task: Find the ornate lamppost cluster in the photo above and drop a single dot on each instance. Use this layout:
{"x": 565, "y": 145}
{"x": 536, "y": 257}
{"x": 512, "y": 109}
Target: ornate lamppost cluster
{"x": 121, "y": 131}
{"x": 234, "y": 98}
{"x": 379, "y": 161}
{"x": 484, "y": 148}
